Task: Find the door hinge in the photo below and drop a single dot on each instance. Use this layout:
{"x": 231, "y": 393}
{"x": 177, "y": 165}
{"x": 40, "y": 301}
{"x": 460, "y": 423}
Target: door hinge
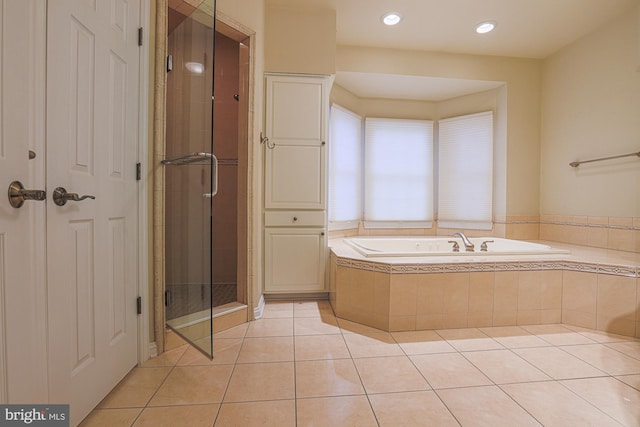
{"x": 169, "y": 63}
{"x": 140, "y": 33}
{"x": 167, "y": 298}
{"x": 138, "y": 171}
{"x": 139, "y": 305}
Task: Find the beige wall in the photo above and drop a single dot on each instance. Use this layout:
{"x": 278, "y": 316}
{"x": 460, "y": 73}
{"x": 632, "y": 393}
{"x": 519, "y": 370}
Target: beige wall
{"x": 300, "y": 40}
{"x": 522, "y": 93}
{"x": 591, "y": 109}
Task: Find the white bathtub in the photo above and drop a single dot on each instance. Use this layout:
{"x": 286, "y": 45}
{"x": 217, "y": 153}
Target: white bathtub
{"x": 440, "y": 246}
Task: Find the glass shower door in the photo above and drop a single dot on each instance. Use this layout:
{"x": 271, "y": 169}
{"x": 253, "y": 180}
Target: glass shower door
{"x": 190, "y": 174}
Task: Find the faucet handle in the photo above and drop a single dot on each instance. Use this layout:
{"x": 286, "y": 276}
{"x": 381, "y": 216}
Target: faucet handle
{"x": 456, "y": 246}
{"x": 483, "y": 246}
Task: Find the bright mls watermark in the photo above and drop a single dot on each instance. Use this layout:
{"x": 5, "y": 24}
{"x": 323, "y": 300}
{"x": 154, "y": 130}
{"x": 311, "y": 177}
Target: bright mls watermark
{"x": 34, "y": 415}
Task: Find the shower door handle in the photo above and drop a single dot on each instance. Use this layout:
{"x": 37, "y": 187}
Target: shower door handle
{"x": 214, "y": 177}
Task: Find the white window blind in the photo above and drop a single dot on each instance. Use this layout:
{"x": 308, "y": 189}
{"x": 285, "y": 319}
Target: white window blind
{"x": 345, "y": 167}
{"x": 398, "y": 177}
{"x": 465, "y": 171}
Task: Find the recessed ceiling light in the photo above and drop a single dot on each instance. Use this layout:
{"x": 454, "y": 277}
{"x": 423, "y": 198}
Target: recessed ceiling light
{"x": 485, "y": 27}
{"x": 391, "y": 18}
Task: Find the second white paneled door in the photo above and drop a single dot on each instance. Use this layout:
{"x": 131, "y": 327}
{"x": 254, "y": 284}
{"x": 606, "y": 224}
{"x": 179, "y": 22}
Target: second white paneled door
{"x": 92, "y": 142}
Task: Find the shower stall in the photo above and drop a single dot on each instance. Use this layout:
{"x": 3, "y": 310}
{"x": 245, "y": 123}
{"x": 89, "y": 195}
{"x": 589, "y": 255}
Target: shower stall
{"x": 201, "y": 169}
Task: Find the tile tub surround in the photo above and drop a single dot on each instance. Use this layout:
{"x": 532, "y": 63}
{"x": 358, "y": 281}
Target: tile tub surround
{"x": 592, "y": 288}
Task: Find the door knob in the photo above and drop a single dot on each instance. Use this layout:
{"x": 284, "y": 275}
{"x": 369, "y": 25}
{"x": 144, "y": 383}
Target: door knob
{"x": 18, "y": 194}
{"x": 60, "y": 196}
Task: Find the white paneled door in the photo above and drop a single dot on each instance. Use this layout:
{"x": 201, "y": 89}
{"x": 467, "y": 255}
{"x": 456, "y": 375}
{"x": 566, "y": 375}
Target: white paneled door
{"x": 69, "y": 270}
{"x": 92, "y": 142}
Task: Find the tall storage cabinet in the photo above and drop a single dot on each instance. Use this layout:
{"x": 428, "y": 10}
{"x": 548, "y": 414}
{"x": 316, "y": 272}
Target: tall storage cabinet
{"x": 295, "y": 214}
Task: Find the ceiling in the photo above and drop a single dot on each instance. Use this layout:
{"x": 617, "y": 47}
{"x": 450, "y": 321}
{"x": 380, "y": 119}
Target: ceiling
{"x": 525, "y": 28}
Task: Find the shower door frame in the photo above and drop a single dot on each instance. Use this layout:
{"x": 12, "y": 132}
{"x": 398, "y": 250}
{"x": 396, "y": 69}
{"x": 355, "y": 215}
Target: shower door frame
{"x": 249, "y": 267}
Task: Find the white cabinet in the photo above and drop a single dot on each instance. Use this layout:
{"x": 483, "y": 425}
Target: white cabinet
{"x": 294, "y": 260}
{"x": 297, "y": 110}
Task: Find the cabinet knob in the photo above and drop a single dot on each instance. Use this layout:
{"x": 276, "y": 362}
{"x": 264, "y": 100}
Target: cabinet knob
{"x": 322, "y": 233}
{"x": 295, "y": 218}
{"x": 323, "y": 143}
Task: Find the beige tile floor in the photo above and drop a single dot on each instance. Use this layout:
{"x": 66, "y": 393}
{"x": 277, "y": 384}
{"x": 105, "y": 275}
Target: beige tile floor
{"x": 300, "y": 365}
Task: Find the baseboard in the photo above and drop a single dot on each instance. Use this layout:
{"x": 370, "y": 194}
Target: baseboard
{"x": 153, "y": 349}
{"x": 257, "y": 311}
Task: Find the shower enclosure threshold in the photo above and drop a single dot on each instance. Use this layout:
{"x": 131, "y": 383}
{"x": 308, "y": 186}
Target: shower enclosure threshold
{"x": 203, "y": 316}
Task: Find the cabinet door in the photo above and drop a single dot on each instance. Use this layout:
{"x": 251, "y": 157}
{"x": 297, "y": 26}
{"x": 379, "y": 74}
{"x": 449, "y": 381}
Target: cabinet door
{"x": 296, "y": 125}
{"x": 294, "y": 260}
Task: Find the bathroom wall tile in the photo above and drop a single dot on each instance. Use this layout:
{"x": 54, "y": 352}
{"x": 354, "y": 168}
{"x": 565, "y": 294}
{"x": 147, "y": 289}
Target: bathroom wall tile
{"x": 551, "y": 288}
{"x": 527, "y": 231}
{"x": 481, "y": 289}
{"x": 455, "y": 320}
{"x": 579, "y": 318}
{"x": 456, "y": 293}
{"x": 480, "y": 319}
{"x": 598, "y": 220}
{"x": 579, "y": 291}
{"x": 343, "y": 282}
{"x": 228, "y": 321}
{"x": 381, "y": 293}
{"x": 577, "y": 235}
{"x": 403, "y": 294}
{"x": 636, "y": 240}
{"x": 500, "y": 230}
{"x": 529, "y": 317}
{"x": 529, "y": 290}
{"x": 506, "y": 291}
{"x": 616, "y": 325}
{"x": 505, "y": 318}
{"x": 621, "y": 239}
{"x": 621, "y": 221}
{"x": 361, "y": 293}
{"x": 378, "y": 321}
{"x": 430, "y": 294}
{"x": 597, "y": 237}
{"x": 402, "y": 323}
{"x": 616, "y": 298}
{"x": 550, "y": 316}
{"x": 430, "y": 321}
